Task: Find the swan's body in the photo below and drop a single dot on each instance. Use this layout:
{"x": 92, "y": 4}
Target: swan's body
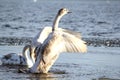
{"x": 19, "y": 59}
{"x": 58, "y": 40}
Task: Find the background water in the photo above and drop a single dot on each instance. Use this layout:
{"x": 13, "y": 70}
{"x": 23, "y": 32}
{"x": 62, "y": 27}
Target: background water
{"x": 98, "y": 21}
{"x": 99, "y": 24}
{"x": 92, "y": 18}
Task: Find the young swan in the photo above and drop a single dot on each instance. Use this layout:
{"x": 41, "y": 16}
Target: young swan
{"x": 58, "y": 41}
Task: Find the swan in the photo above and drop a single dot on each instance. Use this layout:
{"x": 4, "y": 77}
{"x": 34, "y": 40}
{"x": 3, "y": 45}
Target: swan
{"x": 58, "y": 40}
{"x": 19, "y": 59}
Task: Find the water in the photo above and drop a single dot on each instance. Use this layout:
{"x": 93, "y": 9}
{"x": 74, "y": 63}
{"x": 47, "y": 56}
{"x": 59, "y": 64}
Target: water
{"x": 98, "y": 63}
{"x": 92, "y": 18}
{"x": 98, "y": 22}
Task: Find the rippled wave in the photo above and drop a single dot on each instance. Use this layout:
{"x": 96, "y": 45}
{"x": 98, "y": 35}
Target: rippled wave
{"x": 14, "y": 41}
{"x": 115, "y": 42}
{"x": 92, "y": 18}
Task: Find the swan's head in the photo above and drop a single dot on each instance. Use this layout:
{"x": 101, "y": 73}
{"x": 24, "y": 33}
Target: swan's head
{"x": 63, "y": 11}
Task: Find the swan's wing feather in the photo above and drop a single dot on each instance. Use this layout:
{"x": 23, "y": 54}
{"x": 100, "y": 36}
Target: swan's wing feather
{"x": 41, "y": 36}
{"x": 73, "y": 43}
{"x": 61, "y": 41}
{"x": 77, "y": 34}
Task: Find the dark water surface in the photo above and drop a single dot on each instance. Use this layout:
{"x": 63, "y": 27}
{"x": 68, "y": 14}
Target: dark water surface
{"x": 98, "y": 22}
{"x": 92, "y": 18}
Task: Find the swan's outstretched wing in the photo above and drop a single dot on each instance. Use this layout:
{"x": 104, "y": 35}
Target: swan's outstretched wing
{"x": 77, "y": 34}
{"x": 73, "y": 43}
{"x": 41, "y": 36}
{"x": 61, "y": 41}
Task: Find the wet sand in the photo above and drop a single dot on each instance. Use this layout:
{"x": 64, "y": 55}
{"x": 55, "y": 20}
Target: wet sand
{"x": 99, "y": 63}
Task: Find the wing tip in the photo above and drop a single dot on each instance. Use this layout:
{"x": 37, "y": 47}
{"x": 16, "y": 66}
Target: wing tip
{"x": 84, "y": 48}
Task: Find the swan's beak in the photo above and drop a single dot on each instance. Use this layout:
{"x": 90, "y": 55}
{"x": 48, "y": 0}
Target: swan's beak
{"x": 69, "y": 12}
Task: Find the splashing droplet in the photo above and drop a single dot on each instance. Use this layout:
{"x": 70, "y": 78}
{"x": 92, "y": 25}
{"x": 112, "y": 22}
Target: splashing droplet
{"x": 35, "y": 0}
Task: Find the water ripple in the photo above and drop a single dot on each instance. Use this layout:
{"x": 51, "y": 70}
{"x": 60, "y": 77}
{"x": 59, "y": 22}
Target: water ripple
{"x": 14, "y": 41}
{"x": 96, "y": 42}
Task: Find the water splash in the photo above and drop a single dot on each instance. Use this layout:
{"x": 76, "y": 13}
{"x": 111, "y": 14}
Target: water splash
{"x": 34, "y": 0}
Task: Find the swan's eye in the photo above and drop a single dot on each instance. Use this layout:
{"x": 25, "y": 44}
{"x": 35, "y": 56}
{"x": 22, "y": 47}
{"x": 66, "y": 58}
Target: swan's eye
{"x": 64, "y": 10}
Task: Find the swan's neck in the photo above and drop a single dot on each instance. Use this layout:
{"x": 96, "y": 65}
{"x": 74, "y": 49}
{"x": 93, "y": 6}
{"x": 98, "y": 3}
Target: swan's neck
{"x": 26, "y": 54}
{"x": 56, "y": 22}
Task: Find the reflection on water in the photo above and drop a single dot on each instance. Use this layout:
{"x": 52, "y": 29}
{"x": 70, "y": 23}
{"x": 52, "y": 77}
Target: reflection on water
{"x": 55, "y": 75}
{"x": 13, "y": 73}
{"x": 43, "y": 77}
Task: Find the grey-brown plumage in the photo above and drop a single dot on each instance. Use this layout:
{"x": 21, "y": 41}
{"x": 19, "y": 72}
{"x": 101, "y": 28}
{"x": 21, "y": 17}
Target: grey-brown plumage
{"x": 59, "y": 40}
